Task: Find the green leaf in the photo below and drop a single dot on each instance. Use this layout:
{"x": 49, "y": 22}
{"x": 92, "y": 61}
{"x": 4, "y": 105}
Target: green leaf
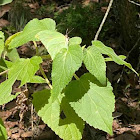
{"x": 30, "y": 30}
{"x": 2, "y": 35}
{"x": 53, "y": 41}
{"x": 95, "y": 63}
{"x": 13, "y": 54}
{"x": 69, "y": 128}
{"x": 4, "y": 2}
{"x": 123, "y": 57}
{"x": 6, "y": 89}
{"x": 24, "y": 70}
{"x": 27, "y": 67}
{"x": 2, "y": 38}
{"x": 92, "y": 102}
{"x": 65, "y": 64}
{"x": 37, "y": 79}
{"x": 3, "y": 133}
{"x": 8, "y": 64}
{"x": 10, "y": 38}
{"x": 75, "y": 41}
{"x": 110, "y": 52}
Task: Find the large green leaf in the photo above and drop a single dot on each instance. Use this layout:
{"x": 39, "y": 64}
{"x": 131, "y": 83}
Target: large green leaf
{"x": 92, "y": 102}
{"x": 95, "y": 63}
{"x": 64, "y": 66}
{"x": 69, "y": 128}
{"x": 30, "y": 30}
{"x": 3, "y": 133}
{"x": 110, "y": 52}
{"x": 3, "y": 2}
{"x": 53, "y": 41}
{"x": 27, "y": 67}
{"x": 2, "y": 38}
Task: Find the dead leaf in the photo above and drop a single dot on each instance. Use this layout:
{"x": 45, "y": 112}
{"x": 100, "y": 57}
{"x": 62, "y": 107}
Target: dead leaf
{"x": 4, "y": 9}
{"x": 104, "y": 9}
{"x": 3, "y": 23}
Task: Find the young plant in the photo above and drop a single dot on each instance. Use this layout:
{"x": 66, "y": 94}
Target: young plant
{"x": 88, "y": 99}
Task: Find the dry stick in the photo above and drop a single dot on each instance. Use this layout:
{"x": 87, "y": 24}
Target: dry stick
{"x": 104, "y": 19}
{"x": 32, "y": 117}
{"x": 134, "y": 3}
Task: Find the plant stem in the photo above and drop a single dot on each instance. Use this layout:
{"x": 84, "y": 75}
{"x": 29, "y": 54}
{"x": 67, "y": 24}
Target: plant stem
{"x": 45, "y": 56}
{"x": 6, "y": 71}
{"x": 37, "y": 52}
{"x": 76, "y": 77}
{"x": 104, "y": 19}
{"x": 44, "y": 75}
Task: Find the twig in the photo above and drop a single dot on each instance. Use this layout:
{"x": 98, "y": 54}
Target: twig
{"x": 76, "y": 77}
{"x": 104, "y": 19}
{"x": 6, "y": 71}
{"x": 133, "y": 48}
{"x": 134, "y": 3}
{"x": 44, "y": 75}
{"x": 32, "y": 117}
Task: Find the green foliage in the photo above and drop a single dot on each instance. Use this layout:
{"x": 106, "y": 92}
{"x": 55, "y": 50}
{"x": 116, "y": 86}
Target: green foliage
{"x": 94, "y": 60}
{"x": 86, "y": 95}
{"x": 53, "y": 41}
{"x": 110, "y": 52}
{"x": 71, "y": 61}
{"x": 3, "y": 133}
{"x": 23, "y": 70}
{"x": 70, "y": 128}
{"x": 4, "y": 2}
{"x": 30, "y": 30}
{"x": 2, "y": 38}
{"x": 68, "y": 104}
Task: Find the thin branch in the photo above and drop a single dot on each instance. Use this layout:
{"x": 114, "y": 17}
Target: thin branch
{"x": 6, "y": 71}
{"x": 104, "y": 19}
{"x": 136, "y": 44}
{"x": 76, "y": 77}
{"x": 134, "y": 3}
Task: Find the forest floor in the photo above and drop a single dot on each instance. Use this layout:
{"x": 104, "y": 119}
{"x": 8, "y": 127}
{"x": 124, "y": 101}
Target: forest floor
{"x": 22, "y": 122}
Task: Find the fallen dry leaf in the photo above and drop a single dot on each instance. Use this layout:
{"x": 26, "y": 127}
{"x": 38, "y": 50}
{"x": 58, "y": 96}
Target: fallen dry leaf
{"x": 4, "y": 9}
{"x": 3, "y": 23}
